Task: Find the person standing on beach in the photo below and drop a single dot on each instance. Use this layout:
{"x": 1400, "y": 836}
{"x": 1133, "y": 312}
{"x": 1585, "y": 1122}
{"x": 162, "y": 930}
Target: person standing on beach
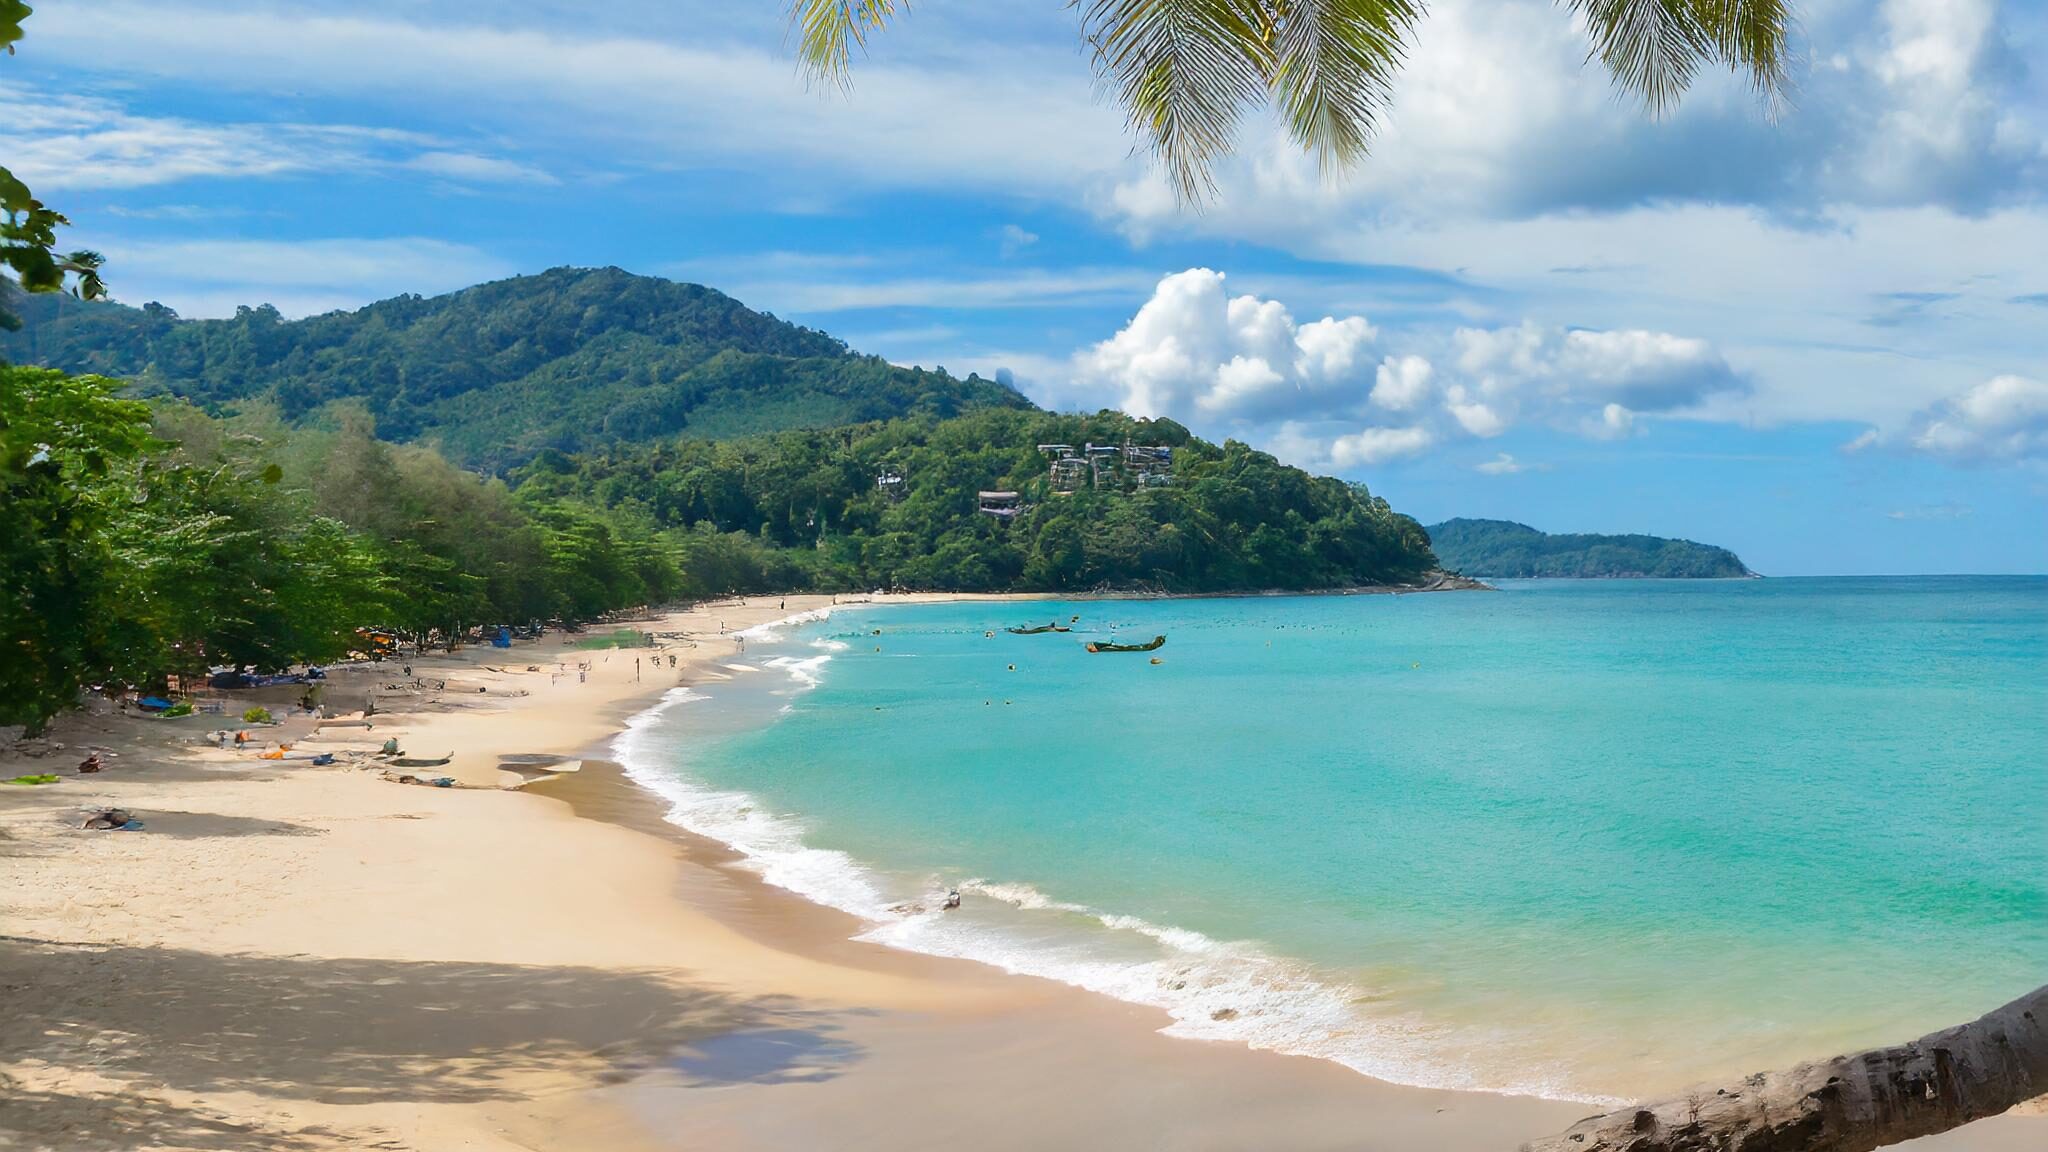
{"x": 636, "y": 669}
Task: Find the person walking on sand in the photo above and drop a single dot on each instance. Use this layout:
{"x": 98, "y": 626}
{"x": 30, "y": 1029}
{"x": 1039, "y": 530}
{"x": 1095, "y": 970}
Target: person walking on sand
{"x": 636, "y": 669}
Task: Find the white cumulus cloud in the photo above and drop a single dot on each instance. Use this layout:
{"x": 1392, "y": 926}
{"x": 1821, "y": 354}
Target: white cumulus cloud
{"x": 2004, "y": 418}
{"x": 1193, "y": 352}
{"x": 1402, "y": 383}
{"x": 1638, "y": 370}
{"x": 1379, "y": 445}
{"x": 1321, "y": 394}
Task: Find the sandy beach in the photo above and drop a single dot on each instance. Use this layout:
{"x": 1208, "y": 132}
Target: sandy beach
{"x": 291, "y": 956}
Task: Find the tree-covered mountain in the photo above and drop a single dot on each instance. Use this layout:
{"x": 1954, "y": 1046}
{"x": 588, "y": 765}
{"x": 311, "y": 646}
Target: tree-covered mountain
{"x": 570, "y": 359}
{"x": 1506, "y": 549}
{"x": 895, "y": 504}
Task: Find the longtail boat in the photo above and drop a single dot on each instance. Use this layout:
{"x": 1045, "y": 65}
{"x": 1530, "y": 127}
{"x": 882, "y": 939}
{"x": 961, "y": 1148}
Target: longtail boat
{"x": 1155, "y": 642}
{"x": 1040, "y": 630}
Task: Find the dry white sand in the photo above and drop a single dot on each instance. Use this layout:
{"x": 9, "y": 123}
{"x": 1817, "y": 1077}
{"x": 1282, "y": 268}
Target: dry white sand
{"x": 298, "y": 957}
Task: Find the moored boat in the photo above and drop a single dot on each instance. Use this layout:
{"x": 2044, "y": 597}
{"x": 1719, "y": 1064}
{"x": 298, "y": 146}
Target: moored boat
{"x": 1101, "y": 646}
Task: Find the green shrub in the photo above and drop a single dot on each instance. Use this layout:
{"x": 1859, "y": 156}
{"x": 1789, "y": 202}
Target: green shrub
{"x": 256, "y": 715}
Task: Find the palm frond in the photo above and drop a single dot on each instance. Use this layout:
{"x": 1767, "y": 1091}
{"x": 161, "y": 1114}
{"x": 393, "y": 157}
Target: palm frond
{"x": 1651, "y": 47}
{"x": 1654, "y": 48}
{"x": 1183, "y": 70}
{"x": 1333, "y": 70}
{"x": 1753, "y": 36}
{"x": 827, "y": 31}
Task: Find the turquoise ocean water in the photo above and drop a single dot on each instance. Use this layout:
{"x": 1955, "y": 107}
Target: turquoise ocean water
{"x": 1585, "y": 839}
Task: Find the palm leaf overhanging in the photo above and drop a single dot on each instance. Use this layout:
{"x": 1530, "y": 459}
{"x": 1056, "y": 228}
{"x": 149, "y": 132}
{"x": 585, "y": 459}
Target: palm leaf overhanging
{"x": 1185, "y": 71}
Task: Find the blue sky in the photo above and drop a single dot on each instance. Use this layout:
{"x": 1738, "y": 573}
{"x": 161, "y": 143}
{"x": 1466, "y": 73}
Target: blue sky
{"x": 1819, "y": 337}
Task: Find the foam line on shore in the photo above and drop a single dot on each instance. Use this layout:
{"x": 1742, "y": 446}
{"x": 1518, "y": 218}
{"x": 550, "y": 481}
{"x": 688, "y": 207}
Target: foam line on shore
{"x": 771, "y": 632}
{"x": 1213, "y": 990}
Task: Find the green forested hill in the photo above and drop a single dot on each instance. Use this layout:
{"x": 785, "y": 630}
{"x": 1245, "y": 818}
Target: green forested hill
{"x": 810, "y": 511}
{"x": 1506, "y": 549}
{"x": 570, "y": 359}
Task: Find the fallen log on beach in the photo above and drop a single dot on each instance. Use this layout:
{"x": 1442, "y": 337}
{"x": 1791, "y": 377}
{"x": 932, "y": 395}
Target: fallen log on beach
{"x": 1851, "y": 1103}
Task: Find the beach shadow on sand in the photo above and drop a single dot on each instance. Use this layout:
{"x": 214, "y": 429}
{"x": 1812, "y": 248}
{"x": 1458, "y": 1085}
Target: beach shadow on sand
{"x": 351, "y": 1031}
{"x": 201, "y": 825}
{"x": 109, "y": 1121}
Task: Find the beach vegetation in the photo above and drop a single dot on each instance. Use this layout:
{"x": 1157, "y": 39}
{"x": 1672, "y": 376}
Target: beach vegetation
{"x": 139, "y": 540}
{"x": 256, "y": 715}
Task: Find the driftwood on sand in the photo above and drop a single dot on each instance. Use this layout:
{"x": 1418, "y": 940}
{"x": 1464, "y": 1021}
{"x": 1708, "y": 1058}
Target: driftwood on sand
{"x": 1848, "y": 1104}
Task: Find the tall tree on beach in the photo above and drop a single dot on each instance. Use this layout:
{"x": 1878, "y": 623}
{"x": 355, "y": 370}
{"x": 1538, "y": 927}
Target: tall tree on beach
{"x": 1186, "y": 71}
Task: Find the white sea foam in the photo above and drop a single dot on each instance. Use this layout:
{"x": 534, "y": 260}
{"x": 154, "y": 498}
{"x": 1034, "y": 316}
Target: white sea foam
{"x": 1213, "y": 989}
{"x": 806, "y": 671}
{"x": 772, "y": 844}
{"x": 772, "y": 631}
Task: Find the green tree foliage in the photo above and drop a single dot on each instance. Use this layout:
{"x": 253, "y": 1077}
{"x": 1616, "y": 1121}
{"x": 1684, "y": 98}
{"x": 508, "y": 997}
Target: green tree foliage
{"x": 12, "y": 13}
{"x": 1506, "y": 549}
{"x": 139, "y": 540}
{"x": 28, "y": 229}
{"x": 571, "y": 359}
{"x": 67, "y": 451}
{"x": 804, "y": 510}
{"x": 28, "y": 245}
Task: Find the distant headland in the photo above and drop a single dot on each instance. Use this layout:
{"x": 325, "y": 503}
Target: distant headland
{"x": 1503, "y": 548}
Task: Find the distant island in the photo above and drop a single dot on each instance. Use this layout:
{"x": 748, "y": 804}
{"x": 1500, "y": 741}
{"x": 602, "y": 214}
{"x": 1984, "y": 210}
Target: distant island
{"x": 1506, "y": 549}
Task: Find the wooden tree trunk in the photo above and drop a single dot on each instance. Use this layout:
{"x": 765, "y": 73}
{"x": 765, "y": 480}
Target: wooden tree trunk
{"x": 1847, "y": 1104}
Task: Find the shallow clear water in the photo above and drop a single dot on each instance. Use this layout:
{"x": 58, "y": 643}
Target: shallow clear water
{"x": 1581, "y": 838}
